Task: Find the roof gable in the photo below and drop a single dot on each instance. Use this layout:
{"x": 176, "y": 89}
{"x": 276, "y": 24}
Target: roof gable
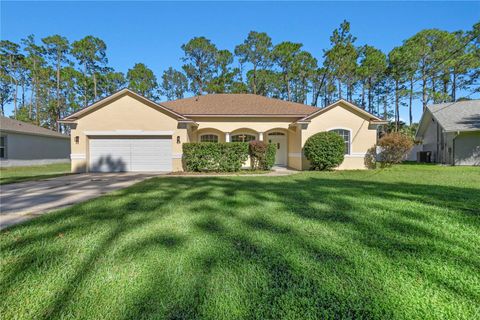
{"x": 238, "y": 105}
{"x": 105, "y": 101}
{"x": 348, "y": 105}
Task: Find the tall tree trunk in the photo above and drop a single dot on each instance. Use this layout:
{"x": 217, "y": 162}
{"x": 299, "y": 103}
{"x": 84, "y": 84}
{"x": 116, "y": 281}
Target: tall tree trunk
{"x": 339, "y": 89}
{"x": 23, "y": 92}
{"x": 315, "y": 97}
{"x": 410, "y": 116}
{"x": 370, "y": 98}
{"x": 397, "y": 102}
{"x": 434, "y": 89}
{"x": 288, "y": 88}
{"x": 95, "y": 85}
{"x": 424, "y": 88}
{"x": 454, "y": 85}
{"x": 37, "y": 115}
{"x": 58, "y": 93}
{"x": 30, "y": 110}
{"x": 85, "y": 101}
{"x": 325, "y": 98}
{"x": 254, "y": 79}
{"x": 15, "y": 99}
{"x": 363, "y": 95}
{"x": 445, "y": 89}
{"x": 385, "y": 101}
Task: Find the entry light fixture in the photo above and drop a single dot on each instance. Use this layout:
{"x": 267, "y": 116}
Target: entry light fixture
{"x": 178, "y": 139}
{"x": 77, "y": 139}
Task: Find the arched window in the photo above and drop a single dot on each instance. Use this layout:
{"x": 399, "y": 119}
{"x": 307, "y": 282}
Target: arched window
{"x": 243, "y": 138}
{"x": 345, "y": 134}
{"x": 209, "y": 138}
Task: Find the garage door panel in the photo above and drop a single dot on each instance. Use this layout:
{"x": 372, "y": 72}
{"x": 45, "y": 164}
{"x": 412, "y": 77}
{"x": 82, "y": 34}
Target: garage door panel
{"x": 109, "y": 155}
{"x": 135, "y": 154}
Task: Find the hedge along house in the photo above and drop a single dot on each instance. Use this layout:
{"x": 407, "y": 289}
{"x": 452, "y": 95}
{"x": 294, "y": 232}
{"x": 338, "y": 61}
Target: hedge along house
{"x": 127, "y": 132}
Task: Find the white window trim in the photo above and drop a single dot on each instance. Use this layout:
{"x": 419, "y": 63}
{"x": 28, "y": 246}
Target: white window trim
{"x": 349, "y": 138}
{"x": 208, "y": 134}
{"x": 245, "y": 133}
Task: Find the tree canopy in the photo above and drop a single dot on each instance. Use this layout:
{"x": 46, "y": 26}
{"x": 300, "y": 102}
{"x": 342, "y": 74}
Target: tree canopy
{"x": 45, "y": 80}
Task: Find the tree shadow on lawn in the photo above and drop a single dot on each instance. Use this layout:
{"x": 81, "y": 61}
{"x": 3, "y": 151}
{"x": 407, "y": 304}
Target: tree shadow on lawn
{"x": 291, "y": 231}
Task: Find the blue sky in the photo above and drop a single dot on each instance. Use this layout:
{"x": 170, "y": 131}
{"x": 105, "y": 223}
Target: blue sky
{"x": 152, "y": 32}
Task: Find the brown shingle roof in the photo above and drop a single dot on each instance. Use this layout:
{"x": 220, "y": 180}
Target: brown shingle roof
{"x": 237, "y": 104}
{"x": 7, "y": 124}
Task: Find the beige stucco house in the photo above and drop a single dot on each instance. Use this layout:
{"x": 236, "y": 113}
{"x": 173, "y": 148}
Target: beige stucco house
{"x": 127, "y": 132}
{"x": 450, "y": 132}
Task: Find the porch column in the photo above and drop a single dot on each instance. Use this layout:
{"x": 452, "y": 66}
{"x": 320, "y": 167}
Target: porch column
{"x": 260, "y": 136}
{"x": 227, "y": 136}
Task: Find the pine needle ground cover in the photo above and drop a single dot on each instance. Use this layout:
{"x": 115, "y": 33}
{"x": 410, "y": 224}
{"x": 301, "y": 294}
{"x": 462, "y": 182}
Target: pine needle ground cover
{"x": 399, "y": 243}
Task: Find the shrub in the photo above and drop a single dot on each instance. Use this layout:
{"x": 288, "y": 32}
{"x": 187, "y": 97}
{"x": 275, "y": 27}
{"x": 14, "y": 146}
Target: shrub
{"x": 371, "y": 158}
{"x": 262, "y": 155}
{"x": 324, "y": 150}
{"x": 394, "y": 148}
{"x": 271, "y": 153}
{"x": 211, "y": 156}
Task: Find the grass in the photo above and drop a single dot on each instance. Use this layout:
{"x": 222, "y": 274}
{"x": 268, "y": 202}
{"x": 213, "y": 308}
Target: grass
{"x": 399, "y": 243}
{"x": 214, "y": 173}
{"x": 28, "y": 173}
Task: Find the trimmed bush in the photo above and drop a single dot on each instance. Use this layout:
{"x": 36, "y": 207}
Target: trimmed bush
{"x": 211, "y": 156}
{"x": 271, "y": 153}
{"x": 394, "y": 147}
{"x": 370, "y": 160}
{"x": 324, "y": 150}
{"x": 262, "y": 155}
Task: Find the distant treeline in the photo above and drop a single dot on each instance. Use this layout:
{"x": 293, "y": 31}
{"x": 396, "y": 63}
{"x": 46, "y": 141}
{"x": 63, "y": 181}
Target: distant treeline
{"x": 47, "y": 79}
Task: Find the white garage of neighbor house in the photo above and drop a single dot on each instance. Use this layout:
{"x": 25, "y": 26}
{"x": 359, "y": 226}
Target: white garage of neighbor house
{"x": 450, "y": 132}
{"x": 24, "y": 144}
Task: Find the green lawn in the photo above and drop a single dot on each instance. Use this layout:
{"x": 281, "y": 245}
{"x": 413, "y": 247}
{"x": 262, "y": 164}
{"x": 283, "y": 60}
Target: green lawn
{"x": 19, "y": 174}
{"x": 400, "y": 243}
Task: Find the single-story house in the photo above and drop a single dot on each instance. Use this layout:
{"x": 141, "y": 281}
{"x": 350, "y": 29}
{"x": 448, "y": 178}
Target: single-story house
{"x": 450, "y": 132}
{"x": 128, "y": 132}
{"x": 23, "y": 143}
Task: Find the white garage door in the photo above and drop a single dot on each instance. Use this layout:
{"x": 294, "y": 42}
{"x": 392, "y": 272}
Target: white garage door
{"x": 135, "y": 154}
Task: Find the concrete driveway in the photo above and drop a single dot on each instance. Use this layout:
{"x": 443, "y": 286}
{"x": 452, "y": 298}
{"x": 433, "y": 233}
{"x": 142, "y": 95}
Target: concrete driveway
{"x": 25, "y": 200}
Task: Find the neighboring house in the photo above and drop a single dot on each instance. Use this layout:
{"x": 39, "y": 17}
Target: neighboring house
{"x": 451, "y": 132}
{"x": 127, "y": 132}
{"x": 23, "y": 143}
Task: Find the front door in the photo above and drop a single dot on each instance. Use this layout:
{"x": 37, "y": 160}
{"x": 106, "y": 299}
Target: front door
{"x": 279, "y": 139}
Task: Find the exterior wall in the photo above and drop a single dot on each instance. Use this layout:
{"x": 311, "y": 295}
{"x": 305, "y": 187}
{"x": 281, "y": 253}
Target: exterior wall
{"x": 467, "y": 149}
{"x": 35, "y": 147}
{"x": 255, "y": 126}
{"x": 295, "y": 148}
{"x": 438, "y": 142}
{"x": 430, "y": 137}
{"x": 125, "y": 113}
{"x": 412, "y": 154}
{"x": 230, "y": 124}
{"x": 362, "y": 135}
{"x": 129, "y": 114}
